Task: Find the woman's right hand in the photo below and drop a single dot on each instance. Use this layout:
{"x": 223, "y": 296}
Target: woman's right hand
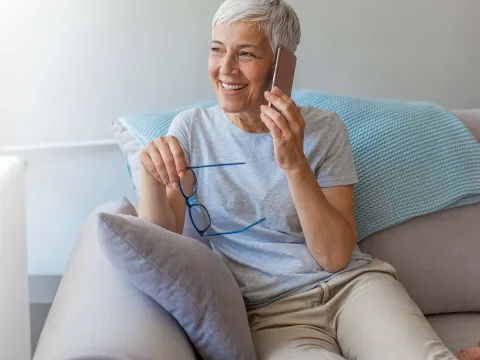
{"x": 165, "y": 160}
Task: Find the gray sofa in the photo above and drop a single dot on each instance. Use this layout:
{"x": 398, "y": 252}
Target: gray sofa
{"x": 98, "y": 315}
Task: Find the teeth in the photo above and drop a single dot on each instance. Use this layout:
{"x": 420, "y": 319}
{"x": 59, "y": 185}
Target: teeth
{"x": 233, "y": 87}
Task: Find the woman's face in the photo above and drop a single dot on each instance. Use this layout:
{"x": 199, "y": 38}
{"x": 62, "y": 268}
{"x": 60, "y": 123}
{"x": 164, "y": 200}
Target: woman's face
{"x": 239, "y": 66}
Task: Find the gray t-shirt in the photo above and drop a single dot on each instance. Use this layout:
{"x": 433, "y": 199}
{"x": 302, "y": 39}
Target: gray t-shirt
{"x": 271, "y": 259}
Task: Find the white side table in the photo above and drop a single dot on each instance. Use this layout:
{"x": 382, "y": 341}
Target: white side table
{"x": 14, "y": 302}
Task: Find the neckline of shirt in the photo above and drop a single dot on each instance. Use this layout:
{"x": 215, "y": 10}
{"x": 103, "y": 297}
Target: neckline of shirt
{"x": 237, "y": 129}
{"x": 303, "y": 111}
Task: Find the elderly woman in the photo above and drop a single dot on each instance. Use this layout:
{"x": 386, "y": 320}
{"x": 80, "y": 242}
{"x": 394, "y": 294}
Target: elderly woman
{"x": 280, "y": 205}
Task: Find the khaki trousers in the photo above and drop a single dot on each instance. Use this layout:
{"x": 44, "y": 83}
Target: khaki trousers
{"x": 362, "y": 314}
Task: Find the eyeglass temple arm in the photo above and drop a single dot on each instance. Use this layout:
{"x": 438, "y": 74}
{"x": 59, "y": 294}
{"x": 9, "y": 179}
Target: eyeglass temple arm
{"x": 215, "y": 165}
{"x": 236, "y": 231}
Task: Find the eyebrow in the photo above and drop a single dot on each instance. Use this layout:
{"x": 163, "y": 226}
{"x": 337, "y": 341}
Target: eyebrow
{"x": 242, "y": 46}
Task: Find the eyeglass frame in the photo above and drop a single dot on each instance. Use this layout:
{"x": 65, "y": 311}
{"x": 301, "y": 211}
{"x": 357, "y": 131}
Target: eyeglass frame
{"x": 191, "y": 206}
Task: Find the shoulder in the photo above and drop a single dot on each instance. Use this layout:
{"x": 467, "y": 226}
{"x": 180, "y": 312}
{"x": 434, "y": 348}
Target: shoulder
{"x": 321, "y": 120}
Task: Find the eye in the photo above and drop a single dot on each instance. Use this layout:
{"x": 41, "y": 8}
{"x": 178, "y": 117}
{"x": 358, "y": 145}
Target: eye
{"x": 215, "y": 49}
{"x": 246, "y": 54}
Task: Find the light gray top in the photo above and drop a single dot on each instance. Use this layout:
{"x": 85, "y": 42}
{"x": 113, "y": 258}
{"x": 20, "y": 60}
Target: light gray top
{"x": 271, "y": 259}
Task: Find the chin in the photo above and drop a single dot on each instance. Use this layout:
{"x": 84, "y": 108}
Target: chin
{"x": 230, "y": 106}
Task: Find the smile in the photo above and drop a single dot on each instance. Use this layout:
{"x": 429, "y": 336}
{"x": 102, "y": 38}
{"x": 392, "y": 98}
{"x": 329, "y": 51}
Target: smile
{"x": 233, "y": 87}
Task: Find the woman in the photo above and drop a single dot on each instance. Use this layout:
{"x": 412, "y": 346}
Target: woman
{"x": 309, "y": 290}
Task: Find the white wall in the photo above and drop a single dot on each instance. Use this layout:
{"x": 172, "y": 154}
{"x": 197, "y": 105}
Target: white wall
{"x": 409, "y": 49}
{"x": 63, "y": 187}
{"x": 69, "y": 67}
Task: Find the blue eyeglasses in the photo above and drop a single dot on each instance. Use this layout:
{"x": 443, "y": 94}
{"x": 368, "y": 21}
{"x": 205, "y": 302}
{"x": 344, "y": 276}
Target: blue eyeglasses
{"x": 199, "y": 214}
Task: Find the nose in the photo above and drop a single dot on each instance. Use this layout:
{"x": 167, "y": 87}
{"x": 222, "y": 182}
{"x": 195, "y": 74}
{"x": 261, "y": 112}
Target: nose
{"x": 229, "y": 64}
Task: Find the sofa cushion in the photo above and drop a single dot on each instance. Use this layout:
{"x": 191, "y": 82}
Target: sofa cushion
{"x": 457, "y": 331}
{"x": 436, "y": 257}
{"x": 186, "y": 278}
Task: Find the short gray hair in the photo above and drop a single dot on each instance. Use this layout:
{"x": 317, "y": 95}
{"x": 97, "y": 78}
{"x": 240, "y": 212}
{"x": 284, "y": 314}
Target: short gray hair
{"x": 275, "y": 19}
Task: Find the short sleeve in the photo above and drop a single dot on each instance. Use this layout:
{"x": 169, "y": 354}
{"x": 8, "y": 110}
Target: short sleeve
{"x": 338, "y": 166}
{"x": 180, "y": 128}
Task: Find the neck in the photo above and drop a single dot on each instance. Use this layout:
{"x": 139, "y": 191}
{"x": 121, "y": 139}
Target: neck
{"x": 248, "y": 121}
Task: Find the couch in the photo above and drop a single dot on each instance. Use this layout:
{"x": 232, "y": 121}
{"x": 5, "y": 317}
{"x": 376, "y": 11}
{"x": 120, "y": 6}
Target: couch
{"x": 98, "y": 315}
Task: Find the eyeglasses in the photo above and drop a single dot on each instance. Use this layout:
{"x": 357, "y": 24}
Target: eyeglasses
{"x": 199, "y": 214}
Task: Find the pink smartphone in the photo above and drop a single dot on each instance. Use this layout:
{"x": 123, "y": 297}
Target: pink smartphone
{"x": 284, "y": 72}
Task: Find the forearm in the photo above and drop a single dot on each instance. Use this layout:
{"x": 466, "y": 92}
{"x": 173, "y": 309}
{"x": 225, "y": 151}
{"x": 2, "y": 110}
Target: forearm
{"x": 329, "y": 237}
{"x": 153, "y": 202}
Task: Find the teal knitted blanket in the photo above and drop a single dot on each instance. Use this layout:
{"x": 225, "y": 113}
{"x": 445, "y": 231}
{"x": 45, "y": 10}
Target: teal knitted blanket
{"x": 412, "y": 158}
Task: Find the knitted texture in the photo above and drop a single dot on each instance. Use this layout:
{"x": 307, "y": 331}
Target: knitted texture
{"x": 412, "y": 158}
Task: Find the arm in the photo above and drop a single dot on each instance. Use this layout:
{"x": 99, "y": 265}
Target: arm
{"x": 326, "y": 216}
{"x": 153, "y": 202}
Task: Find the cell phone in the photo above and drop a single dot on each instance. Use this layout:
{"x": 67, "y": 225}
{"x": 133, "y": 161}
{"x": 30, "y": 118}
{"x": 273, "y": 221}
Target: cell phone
{"x": 284, "y": 72}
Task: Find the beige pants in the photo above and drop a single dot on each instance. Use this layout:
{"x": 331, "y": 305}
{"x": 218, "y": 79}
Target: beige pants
{"x": 362, "y": 314}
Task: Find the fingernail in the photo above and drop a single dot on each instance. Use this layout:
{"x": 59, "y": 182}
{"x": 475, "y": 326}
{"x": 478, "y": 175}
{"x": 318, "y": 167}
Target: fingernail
{"x": 276, "y": 90}
{"x": 268, "y": 93}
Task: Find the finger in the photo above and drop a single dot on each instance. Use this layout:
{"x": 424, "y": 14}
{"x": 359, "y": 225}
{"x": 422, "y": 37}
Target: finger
{"x": 272, "y": 127}
{"x": 279, "y": 120}
{"x": 288, "y": 109}
{"x": 178, "y": 156}
{"x": 169, "y": 161}
{"x": 148, "y": 164}
{"x": 283, "y": 103}
{"x": 158, "y": 164}
{"x": 277, "y": 91}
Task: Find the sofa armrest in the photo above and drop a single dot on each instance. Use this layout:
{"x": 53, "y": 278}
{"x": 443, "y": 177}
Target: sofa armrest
{"x": 98, "y": 315}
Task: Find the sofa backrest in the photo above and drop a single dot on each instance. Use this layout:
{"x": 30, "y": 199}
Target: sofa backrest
{"x": 471, "y": 118}
{"x": 437, "y": 255}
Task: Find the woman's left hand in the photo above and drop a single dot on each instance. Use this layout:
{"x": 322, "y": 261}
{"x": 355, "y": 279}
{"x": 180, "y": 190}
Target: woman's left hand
{"x": 287, "y": 127}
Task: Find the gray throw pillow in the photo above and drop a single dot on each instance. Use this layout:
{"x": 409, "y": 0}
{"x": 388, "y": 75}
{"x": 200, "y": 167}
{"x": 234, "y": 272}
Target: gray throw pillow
{"x": 186, "y": 278}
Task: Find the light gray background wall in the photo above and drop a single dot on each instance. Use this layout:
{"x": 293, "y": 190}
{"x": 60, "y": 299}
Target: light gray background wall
{"x": 67, "y": 68}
